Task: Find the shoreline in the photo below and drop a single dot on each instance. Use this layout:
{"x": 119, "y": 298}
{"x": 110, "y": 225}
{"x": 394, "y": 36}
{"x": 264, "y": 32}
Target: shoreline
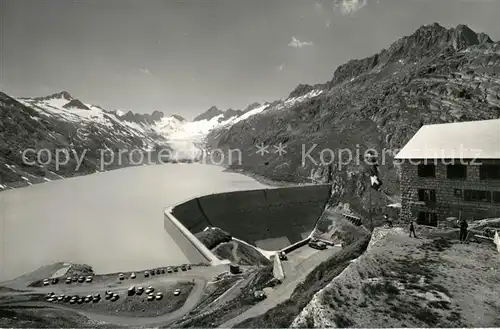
{"x": 259, "y": 178}
{"x": 264, "y": 180}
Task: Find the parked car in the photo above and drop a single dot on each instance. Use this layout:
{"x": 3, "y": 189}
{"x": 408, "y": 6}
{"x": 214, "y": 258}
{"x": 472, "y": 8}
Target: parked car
{"x": 183, "y": 268}
{"x": 162, "y": 271}
{"x": 188, "y": 267}
{"x": 176, "y": 269}
{"x": 131, "y": 291}
{"x": 169, "y": 270}
{"x": 46, "y": 282}
{"x": 89, "y": 279}
{"x": 158, "y": 271}
{"x": 317, "y": 245}
{"x": 121, "y": 276}
{"x": 80, "y": 300}
{"x": 115, "y": 297}
{"x": 55, "y": 280}
{"x": 146, "y": 274}
{"x": 81, "y": 279}
{"x": 68, "y": 281}
{"x": 282, "y": 255}
{"x": 159, "y": 295}
{"x": 74, "y": 279}
{"x": 88, "y": 299}
{"x": 72, "y": 301}
{"x": 139, "y": 291}
{"x": 67, "y": 298}
{"x": 177, "y": 292}
{"x": 260, "y": 295}
{"x": 132, "y": 276}
{"x": 151, "y": 297}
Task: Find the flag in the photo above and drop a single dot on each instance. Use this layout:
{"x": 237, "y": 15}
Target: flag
{"x": 375, "y": 181}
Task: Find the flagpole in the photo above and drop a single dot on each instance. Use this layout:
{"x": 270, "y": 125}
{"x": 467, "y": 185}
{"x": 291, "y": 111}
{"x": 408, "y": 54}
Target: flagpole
{"x": 370, "y": 209}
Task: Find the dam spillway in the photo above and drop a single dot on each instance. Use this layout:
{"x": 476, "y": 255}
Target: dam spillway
{"x": 270, "y": 219}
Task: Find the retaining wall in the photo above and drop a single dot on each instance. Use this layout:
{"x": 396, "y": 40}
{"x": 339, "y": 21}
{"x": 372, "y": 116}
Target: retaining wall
{"x": 296, "y": 245}
{"x": 275, "y": 217}
{"x": 496, "y": 239}
{"x": 195, "y": 251}
{"x": 278, "y": 271}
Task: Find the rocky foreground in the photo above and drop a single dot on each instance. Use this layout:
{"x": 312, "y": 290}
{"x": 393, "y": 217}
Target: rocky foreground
{"x": 432, "y": 281}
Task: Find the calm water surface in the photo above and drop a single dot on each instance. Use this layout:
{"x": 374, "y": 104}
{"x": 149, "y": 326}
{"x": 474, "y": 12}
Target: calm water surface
{"x": 112, "y": 221}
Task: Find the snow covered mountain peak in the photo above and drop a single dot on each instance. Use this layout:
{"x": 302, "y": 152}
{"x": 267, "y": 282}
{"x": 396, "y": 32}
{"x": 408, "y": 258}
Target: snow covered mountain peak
{"x": 151, "y": 129}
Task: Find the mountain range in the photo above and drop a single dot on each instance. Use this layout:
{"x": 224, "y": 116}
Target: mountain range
{"x": 435, "y": 75}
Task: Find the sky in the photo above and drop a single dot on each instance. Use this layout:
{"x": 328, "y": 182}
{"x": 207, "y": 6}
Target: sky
{"x": 181, "y": 57}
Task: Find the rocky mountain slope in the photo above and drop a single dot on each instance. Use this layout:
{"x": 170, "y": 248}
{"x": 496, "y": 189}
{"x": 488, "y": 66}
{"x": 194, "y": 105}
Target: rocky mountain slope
{"x": 435, "y": 75}
{"x": 213, "y": 112}
{"x": 60, "y": 122}
{"x": 88, "y": 138}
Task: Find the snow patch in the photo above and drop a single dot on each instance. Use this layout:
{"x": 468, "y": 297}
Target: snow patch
{"x": 59, "y": 176}
{"x": 57, "y": 102}
{"x": 246, "y": 115}
{"x": 394, "y": 205}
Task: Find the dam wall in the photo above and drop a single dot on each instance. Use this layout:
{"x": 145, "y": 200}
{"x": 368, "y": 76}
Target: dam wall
{"x": 270, "y": 219}
{"x": 195, "y": 251}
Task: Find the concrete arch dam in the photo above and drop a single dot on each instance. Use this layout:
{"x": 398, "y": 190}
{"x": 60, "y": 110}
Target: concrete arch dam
{"x": 270, "y": 219}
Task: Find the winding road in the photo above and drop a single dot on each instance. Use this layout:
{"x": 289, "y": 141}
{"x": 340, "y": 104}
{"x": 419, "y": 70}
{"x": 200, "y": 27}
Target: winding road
{"x": 299, "y": 264}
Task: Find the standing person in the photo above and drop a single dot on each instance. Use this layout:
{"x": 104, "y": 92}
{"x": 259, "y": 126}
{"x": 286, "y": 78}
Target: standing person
{"x": 463, "y": 230}
{"x": 387, "y": 220}
{"x": 412, "y": 229}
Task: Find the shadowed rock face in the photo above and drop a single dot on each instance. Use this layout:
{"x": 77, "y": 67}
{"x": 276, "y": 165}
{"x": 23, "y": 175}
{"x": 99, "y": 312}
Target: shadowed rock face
{"x": 209, "y": 114}
{"x": 213, "y": 111}
{"x": 142, "y": 118}
{"x": 75, "y": 103}
{"x": 270, "y": 219}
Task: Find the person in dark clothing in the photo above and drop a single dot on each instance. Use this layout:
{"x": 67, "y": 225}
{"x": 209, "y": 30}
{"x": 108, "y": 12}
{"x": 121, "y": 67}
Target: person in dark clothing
{"x": 387, "y": 220}
{"x": 412, "y": 229}
{"x": 463, "y": 230}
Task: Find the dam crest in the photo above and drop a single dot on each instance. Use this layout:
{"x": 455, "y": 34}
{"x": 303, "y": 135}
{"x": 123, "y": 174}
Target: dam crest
{"x": 270, "y": 219}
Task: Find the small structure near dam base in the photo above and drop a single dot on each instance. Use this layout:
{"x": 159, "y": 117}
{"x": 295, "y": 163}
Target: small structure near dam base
{"x": 234, "y": 269}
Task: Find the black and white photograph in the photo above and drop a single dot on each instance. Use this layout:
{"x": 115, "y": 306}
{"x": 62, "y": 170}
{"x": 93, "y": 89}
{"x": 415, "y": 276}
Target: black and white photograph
{"x": 249, "y": 164}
